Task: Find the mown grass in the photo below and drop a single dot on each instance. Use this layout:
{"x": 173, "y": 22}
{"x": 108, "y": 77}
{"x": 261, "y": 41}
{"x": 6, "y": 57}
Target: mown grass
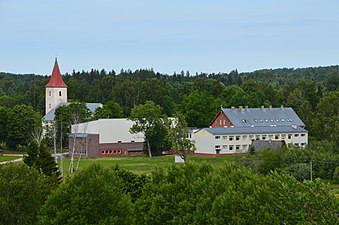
{"x": 335, "y": 189}
{"x": 141, "y": 164}
{"x": 8, "y": 158}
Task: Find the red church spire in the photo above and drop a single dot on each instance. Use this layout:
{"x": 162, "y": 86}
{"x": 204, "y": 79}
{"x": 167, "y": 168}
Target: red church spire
{"x": 56, "y": 79}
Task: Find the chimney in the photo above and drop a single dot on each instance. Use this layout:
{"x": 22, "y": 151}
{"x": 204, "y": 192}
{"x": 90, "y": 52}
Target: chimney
{"x": 282, "y": 106}
{"x": 246, "y": 107}
{"x": 262, "y": 107}
{"x": 270, "y": 106}
{"x": 232, "y": 107}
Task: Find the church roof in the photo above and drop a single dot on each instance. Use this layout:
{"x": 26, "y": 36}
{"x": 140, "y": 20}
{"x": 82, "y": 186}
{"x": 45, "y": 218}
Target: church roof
{"x": 56, "y": 79}
{"x": 50, "y": 115}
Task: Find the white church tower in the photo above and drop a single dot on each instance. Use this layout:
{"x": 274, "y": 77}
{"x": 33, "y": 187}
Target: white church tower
{"x": 56, "y": 89}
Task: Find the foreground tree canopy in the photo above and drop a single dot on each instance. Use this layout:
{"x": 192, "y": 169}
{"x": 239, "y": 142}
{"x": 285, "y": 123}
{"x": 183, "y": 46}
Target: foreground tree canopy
{"x": 181, "y": 194}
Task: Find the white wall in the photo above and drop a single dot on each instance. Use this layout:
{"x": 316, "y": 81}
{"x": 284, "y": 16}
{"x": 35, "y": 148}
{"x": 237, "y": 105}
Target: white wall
{"x": 110, "y": 130}
{"x": 207, "y": 143}
{"x": 52, "y": 97}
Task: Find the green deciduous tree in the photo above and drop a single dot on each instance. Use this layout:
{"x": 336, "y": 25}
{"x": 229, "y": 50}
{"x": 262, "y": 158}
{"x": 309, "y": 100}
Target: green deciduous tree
{"x": 93, "y": 196}
{"x": 110, "y": 109}
{"x": 178, "y": 136}
{"x": 326, "y": 121}
{"x": 199, "y": 108}
{"x": 150, "y": 121}
{"x": 21, "y": 123}
{"x": 67, "y": 115}
{"x": 22, "y": 193}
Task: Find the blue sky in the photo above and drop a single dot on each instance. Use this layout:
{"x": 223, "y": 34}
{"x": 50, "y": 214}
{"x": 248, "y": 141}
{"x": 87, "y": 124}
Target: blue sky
{"x": 167, "y": 35}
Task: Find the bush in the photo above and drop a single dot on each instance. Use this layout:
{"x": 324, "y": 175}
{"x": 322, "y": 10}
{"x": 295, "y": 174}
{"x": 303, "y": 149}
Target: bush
{"x": 200, "y": 194}
{"x": 22, "y": 192}
{"x": 93, "y": 196}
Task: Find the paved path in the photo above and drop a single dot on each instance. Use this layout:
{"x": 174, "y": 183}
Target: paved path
{"x": 14, "y": 160}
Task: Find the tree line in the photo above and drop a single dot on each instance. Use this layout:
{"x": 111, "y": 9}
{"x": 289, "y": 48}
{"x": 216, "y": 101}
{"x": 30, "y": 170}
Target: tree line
{"x": 311, "y": 92}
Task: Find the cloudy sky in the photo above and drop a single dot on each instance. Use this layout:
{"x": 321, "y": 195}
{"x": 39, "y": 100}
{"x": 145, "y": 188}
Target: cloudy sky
{"x": 167, "y": 35}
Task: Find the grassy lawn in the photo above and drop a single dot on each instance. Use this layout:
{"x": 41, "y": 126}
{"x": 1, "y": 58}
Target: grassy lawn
{"x": 335, "y": 189}
{"x": 141, "y": 164}
{"x": 8, "y": 158}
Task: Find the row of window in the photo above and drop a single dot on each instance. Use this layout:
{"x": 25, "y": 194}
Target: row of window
{"x": 218, "y": 148}
{"x": 258, "y": 137}
{"x": 231, "y": 147}
{"x": 110, "y": 152}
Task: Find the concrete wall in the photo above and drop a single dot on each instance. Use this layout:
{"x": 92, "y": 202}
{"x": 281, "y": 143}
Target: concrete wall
{"x": 207, "y": 143}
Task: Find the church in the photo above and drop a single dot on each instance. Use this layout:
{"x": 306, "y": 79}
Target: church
{"x": 56, "y": 95}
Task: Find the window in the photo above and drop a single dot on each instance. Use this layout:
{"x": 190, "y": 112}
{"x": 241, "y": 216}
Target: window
{"x": 244, "y": 147}
{"x": 59, "y": 93}
{"x": 217, "y": 147}
{"x": 49, "y": 105}
{"x": 231, "y": 147}
{"x": 302, "y": 144}
{"x": 276, "y": 137}
{"x": 49, "y": 93}
{"x": 220, "y": 122}
{"x": 110, "y": 151}
{"x": 224, "y": 122}
{"x": 132, "y": 141}
{"x": 224, "y": 137}
{"x": 296, "y": 135}
{"x": 264, "y": 137}
{"x": 244, "y": 137}
{"x": 224, "y": 147}
{"x": 217, "y": 137}
{"x": 119, "y": 151}
{"x": 106, "y": 152}
{"x": 237, "y": 138}
{"x": 270, "y": 137}
{"x": 119, "y": 141}
{"x": 289, "y": 136}
{"x": 257, "y": 137}
{"x": 115, "y": 152}
{"x": 237, "y": 147}
{"x": 231, "y": 138}
{"x": 102, "y": 152}
{"x": 250, "y": 136}
{"x": 302, "y": 135}
{"x": 283, "y": 136}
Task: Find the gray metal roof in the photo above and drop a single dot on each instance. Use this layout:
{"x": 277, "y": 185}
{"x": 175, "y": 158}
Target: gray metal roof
{"x": 255, "y": 130}
{"x": 50, "y": 115}
{"x": 246, "y": 117}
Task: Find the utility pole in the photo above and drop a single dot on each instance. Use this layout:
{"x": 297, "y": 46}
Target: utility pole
{"x": 311, "y": 172}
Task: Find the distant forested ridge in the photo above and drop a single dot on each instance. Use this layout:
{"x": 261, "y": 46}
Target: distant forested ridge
{"x": 310, "y": 91}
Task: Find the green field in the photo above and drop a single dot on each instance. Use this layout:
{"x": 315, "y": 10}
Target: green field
{"x": 8, "y": 158}
{"x": 142, "y": 164}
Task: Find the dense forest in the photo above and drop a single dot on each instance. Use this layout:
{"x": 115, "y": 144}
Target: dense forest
{"x": 311, "y": 92}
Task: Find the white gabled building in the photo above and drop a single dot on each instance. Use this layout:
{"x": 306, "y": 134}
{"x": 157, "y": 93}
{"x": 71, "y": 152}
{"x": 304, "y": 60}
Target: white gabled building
{"x": 214, "y": 141}
{"x": 235, "y": 130}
